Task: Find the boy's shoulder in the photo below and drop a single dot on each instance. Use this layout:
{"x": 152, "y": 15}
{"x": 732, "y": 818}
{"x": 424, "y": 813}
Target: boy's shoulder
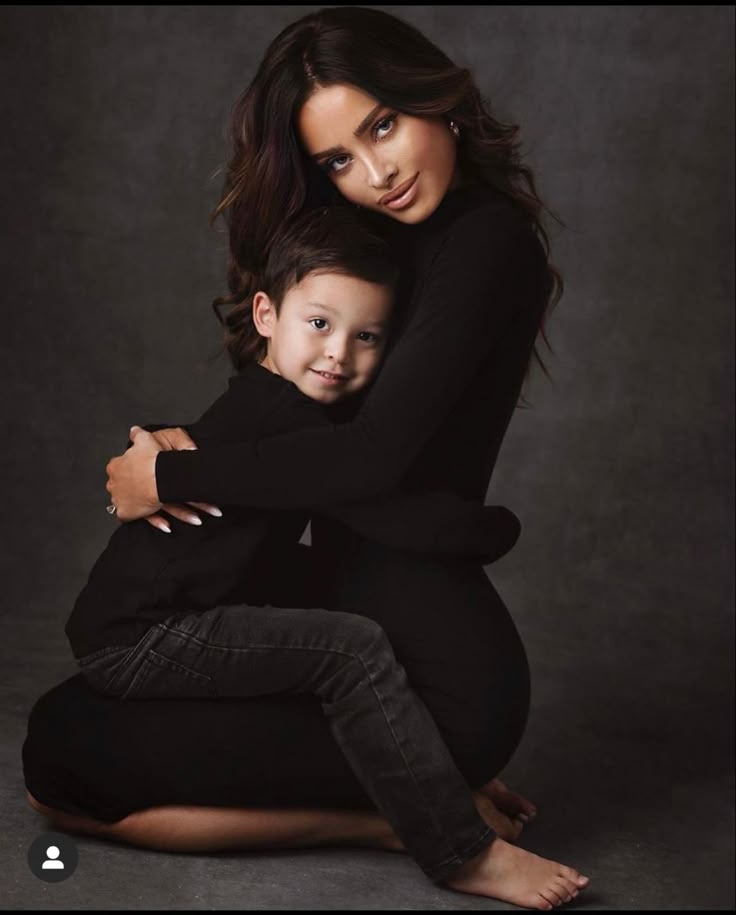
{"x": 283, "y": 405}
{"x": 268, "y": 387}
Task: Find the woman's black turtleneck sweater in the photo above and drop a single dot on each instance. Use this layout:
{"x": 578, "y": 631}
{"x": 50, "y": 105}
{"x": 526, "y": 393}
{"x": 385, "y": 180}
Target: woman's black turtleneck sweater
{"x": 477, "y": 285}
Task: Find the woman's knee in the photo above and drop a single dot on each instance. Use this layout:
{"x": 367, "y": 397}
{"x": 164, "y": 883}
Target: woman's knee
{"x": 482, "y": 749}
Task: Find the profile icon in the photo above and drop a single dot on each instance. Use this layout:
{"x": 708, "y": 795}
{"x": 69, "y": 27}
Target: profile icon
{"x": 53, "y": 857}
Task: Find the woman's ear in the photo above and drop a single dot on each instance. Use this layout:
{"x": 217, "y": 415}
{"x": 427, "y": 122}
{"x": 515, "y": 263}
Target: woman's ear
{"x": 264, "y": 314}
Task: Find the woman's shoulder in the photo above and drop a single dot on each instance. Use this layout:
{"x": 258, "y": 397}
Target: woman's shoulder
{"x": 482, "y": 206}
{"x": 480, "y": 223}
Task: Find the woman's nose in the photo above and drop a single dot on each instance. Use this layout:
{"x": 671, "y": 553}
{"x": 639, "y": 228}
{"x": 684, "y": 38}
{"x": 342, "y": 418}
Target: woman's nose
{"x": 379, "y": 173}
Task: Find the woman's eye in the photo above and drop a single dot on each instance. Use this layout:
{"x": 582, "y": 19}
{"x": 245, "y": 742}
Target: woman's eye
{"x": 318, "y": 323}
{"x": 368, "y": 337}
{"x": 389, "y": 120}
{"x": 328, "y": 165}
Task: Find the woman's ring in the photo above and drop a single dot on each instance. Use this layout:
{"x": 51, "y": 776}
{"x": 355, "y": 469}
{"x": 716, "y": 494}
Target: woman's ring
{"x": 111, "y": 509}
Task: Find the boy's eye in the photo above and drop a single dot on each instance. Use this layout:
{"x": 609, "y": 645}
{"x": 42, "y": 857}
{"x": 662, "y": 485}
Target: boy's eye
{"x": 368, "y": 337}
{"x": 318, "y": 323}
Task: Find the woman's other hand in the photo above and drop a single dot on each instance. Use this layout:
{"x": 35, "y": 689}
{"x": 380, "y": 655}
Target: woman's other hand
{"x": 132, "y": 479}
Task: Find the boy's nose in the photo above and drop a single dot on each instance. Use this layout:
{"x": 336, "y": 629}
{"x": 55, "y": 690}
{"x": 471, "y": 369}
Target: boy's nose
{"x": 338, "y": 351}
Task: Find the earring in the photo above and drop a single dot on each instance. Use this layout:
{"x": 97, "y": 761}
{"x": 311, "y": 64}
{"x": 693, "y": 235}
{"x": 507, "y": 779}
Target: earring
{"x": 455, "y": 129}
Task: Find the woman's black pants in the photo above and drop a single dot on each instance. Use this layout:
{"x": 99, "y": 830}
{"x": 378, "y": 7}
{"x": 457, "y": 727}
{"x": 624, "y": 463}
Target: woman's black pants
{"x": 87, "y": 753}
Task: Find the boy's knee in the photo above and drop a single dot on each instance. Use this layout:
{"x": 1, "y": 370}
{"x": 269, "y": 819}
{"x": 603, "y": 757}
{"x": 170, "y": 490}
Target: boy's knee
{"x": 363, "y": 635}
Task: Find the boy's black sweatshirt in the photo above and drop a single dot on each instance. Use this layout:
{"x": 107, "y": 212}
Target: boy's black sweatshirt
{"x": 144, "y": 575}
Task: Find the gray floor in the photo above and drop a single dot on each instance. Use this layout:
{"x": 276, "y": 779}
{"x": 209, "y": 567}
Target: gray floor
{"x": 646, "y": 811}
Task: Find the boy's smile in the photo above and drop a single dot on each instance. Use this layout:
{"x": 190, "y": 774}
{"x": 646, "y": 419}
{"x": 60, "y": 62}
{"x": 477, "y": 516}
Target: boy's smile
{"x": 329, "y": 334}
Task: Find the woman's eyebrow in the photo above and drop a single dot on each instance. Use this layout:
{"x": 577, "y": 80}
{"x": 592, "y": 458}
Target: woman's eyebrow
{"x": 358, "y": 132}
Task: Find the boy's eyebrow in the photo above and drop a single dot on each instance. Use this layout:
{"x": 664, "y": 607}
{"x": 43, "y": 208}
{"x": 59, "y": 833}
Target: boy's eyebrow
{"x": 358, "y": 132}
{"x": 320, "y": 305}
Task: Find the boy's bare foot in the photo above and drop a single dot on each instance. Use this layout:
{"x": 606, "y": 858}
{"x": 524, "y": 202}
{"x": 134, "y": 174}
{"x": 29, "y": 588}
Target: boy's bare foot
{"x": 502, "y": 825}
{"x": 507, "y": 801}
{"x": 504, "y": 871}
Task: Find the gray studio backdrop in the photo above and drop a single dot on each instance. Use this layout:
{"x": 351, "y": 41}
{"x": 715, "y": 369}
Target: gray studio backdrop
{"x": 622, "y": 473}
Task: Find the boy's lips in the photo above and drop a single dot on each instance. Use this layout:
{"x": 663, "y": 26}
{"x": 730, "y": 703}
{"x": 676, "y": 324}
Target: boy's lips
{"x": 332, "y": 376}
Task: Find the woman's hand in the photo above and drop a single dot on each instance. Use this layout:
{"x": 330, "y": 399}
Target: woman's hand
{"x": 178, "y": 439}
{"x": 132, "y": 479}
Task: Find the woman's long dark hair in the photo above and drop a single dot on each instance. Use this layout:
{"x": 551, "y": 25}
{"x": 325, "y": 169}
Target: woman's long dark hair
{"x": 269, "y": 177}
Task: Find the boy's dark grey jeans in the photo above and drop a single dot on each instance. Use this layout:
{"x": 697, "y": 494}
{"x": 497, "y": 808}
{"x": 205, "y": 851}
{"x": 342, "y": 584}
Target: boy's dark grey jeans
{"x": 381, "y": 725}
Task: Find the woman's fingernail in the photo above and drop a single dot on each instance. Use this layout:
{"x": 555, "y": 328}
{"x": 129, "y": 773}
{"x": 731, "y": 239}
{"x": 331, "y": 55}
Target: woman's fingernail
{"x": 165, "y": 528}
{"x": 195, "y": 519}
{"x": 215, "y": 511}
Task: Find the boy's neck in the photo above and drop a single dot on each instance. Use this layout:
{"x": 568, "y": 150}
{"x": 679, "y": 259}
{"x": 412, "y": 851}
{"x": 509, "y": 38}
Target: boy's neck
{"x": 266, "y": 363}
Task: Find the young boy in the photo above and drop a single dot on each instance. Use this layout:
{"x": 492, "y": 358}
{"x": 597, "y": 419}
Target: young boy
{"x": 163, "y": 616}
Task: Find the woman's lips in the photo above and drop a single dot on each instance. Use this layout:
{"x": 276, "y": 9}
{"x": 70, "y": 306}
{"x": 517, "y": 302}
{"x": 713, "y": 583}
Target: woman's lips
{"x": 407, "y": 198}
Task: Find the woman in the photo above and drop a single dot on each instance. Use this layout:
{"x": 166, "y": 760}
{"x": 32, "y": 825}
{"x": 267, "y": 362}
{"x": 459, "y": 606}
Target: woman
{"x": 351, "y": 106}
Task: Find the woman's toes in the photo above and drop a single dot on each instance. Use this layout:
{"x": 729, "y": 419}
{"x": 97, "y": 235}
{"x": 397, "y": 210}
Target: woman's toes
{"x": 509, "y": 801}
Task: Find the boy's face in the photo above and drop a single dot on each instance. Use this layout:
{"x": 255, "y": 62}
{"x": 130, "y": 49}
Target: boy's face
{"x": 329, "y": 336}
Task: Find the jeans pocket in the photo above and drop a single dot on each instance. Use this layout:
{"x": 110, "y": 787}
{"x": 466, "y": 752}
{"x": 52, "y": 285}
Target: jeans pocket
{"x": 159, "y": 677}
{"x": 101, "y": 666}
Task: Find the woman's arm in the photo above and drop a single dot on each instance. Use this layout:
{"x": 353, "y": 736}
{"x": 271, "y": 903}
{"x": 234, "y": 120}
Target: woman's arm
{"x": 433, "y": 521}
{"x": 466, "y": 305}
{"x": 436, "y": 522}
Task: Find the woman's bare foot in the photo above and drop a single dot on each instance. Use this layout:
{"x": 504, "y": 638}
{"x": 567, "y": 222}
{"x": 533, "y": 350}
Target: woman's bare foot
{"x": 507, "y": 801}
{"x": 505, "y": 827}
{"x": 73, "y": 823}
{"x": 511, "y": 874}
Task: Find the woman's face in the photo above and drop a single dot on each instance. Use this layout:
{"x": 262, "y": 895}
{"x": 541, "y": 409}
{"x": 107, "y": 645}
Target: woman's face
{"x": 392, "y": 149}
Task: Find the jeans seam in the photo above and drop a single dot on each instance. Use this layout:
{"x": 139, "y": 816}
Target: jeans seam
{"x": 429, "y": 806}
